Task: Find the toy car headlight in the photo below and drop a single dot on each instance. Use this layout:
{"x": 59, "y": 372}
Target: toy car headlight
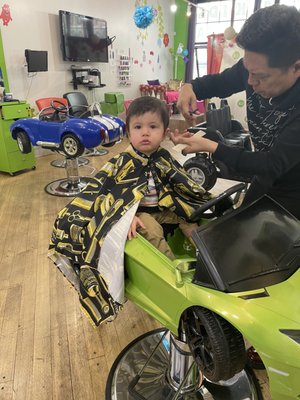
{"x": 104, "y": 135}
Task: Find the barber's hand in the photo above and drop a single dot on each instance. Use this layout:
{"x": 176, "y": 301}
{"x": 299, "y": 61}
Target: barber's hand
{"x": 194, "y": 143}
{"x": 133, "y": 227}
{"x": 187, "y": 103}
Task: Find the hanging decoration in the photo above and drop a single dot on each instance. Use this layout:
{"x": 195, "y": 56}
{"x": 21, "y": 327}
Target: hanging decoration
{"x": 143, "y": 16}
{"x": 166, "y": 40}
{"x": 5, "y": 14}
{"x": 185, "y": 54}
{"x": 142, "y": 33}
{"x": 230, "y": 36}
{"x": 160, "y": 22}
{"x": 147, "y": 17}
{"x": 182, "y": 53}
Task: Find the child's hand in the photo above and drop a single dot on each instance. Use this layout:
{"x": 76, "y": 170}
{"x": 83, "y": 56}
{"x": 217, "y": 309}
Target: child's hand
{"x": 134, "y": 224}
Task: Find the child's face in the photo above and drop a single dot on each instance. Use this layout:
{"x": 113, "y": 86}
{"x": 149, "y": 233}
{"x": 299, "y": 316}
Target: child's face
{"x": 146, "y": 132}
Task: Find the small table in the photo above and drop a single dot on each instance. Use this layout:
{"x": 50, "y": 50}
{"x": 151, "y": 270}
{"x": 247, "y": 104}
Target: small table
{"x": 178, "y": 122}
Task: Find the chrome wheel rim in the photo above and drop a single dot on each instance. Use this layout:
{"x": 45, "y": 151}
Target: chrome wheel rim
{"x": 70, "y": 146}
{"x": 197, "y": 174}
{"x": 20, "y": 144}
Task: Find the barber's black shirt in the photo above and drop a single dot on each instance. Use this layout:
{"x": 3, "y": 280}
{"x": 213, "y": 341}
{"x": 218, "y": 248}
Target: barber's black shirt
{"x": 274, "y": 126}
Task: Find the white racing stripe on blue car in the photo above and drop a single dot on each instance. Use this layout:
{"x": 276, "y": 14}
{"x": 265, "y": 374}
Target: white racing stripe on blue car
{"x": 108, "y": 122}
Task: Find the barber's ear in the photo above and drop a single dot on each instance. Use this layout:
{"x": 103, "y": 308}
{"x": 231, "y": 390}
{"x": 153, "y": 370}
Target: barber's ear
{"x": 297, "y": 67}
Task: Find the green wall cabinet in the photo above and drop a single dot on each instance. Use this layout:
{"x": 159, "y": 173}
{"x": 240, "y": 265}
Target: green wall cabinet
{"x": 11, "y": 159}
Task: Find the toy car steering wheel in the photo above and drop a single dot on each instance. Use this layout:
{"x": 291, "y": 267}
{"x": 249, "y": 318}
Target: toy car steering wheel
{"x": 60, "y": 108}
{"x": 213, "y": 202}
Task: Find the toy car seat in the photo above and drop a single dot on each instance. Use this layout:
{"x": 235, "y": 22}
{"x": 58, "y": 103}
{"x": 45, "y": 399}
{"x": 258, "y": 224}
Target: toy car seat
{"x": 78, "y": 103}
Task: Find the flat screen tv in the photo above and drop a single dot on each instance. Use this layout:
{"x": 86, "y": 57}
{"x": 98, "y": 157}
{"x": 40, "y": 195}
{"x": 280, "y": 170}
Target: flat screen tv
{"x": 83, "y": 38}
{"x": 37, "y": 61}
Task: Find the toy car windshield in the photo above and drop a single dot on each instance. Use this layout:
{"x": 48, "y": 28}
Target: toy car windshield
{"x": 251, "y": 248}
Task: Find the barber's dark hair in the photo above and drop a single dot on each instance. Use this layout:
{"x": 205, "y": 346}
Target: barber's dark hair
{"x": 274, "y": 32}
{"x": 144, "y": 104}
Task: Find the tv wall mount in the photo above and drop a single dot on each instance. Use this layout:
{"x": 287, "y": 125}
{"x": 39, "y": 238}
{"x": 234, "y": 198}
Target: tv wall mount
{"x": 88, "y": 77}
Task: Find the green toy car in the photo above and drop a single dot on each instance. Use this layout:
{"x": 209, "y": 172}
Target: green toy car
{"x": 241, "y": 282}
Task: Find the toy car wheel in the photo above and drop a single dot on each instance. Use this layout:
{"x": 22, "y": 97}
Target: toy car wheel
{"x": 71, "y": 146}
{"x": 202, "y": 170}
{"x": 23, "y": 142}
{"x": 217, "y": 347}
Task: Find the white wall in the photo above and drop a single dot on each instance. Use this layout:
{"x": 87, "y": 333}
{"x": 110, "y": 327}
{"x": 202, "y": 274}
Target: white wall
{"x": 35, "y": 26}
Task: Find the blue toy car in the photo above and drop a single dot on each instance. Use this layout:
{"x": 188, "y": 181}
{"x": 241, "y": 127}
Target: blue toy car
{"x": 54, "y": 128}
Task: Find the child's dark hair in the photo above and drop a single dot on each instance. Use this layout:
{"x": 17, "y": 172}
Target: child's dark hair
{"x": 144, "y": 104}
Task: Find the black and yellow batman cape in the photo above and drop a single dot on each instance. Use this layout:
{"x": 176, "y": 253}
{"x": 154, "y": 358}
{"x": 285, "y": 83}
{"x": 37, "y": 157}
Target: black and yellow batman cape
{"x": 81, "y": 227}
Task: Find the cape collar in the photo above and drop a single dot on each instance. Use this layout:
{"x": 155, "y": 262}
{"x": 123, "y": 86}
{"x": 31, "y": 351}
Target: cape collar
{"x": 143, "y": 157}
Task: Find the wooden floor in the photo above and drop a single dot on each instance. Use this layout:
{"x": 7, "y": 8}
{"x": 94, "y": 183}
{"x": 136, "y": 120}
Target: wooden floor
{"x": 48, "y": 349}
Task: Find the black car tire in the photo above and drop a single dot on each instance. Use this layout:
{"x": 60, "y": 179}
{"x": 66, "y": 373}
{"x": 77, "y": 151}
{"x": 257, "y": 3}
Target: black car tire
{"x": 71, "y": 146}
{"x": 217, "y": 347}
{"x": 202, "y": 170}
{"x": 23, "y": 142}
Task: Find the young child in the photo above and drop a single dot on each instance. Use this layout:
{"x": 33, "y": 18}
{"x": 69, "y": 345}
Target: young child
{"x": 90, "y": 233}
{"x": 147, "y": 124}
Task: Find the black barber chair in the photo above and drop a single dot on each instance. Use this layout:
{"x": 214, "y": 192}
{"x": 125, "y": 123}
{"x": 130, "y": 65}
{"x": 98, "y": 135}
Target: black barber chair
{"x": 221, "y": 128}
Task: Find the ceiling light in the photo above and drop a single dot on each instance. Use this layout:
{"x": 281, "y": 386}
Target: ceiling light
{"x": 173, "y": 7}
{"x": 189, "y": 10}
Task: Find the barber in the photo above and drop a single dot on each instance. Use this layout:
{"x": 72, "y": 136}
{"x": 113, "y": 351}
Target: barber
{"x": 269, "y": 73}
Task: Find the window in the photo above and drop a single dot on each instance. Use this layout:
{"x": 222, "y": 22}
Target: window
{"x": 266, "y": 3}
{"x": 295, "y": 3}
{"x": 215, "y": 17}
{"x": 212, "y": 17}
{"x": 242, "y": 10}
{"x": 200, "y": 60}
